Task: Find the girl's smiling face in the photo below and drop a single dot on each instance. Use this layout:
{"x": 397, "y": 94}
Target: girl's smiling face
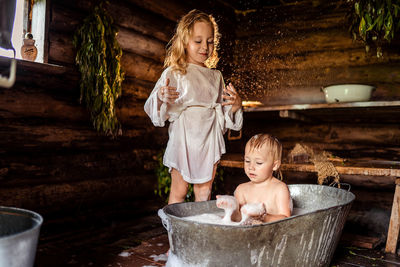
{"x": 200, "y": 44}
{"x": 259, "y": 163}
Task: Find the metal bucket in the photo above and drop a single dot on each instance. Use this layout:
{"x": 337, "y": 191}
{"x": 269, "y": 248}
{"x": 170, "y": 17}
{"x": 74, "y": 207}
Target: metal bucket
{"x": 19, "y": 233}
{"x": 307, "y": 239}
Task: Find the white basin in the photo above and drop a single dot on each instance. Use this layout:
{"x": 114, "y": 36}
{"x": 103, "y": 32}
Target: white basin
{"x": 347, "y": 93}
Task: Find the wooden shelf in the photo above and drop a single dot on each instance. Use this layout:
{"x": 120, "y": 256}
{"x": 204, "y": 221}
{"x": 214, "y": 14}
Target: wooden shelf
{"x": 370, "y": 104}
{"x": 372, "y": 111}
{"x": 37, "y": 67}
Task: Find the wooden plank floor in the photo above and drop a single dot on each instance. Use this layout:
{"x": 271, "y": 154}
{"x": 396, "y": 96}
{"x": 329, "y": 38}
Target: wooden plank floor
{"x": 143, "y": 241}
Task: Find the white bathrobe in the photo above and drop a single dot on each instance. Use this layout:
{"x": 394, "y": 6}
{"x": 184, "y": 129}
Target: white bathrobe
{"x": 197, "y": 121}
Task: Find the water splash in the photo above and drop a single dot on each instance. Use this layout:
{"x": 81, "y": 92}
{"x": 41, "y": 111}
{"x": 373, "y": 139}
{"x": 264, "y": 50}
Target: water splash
{"x": 270, "y": 54}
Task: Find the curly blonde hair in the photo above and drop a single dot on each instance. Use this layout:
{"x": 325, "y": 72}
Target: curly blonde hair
{"x": 176, "y": 54}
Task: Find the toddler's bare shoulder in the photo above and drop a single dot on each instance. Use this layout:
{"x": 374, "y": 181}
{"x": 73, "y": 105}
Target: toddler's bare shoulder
{"x": 241, "y": 188}
{"x": 280, "y": 185}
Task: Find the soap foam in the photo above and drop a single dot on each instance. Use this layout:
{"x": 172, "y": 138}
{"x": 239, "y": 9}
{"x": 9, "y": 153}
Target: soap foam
{"x": 220, "y": 218}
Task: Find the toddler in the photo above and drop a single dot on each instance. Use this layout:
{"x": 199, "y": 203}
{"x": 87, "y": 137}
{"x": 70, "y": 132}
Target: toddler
{"x": 264, "y": 198}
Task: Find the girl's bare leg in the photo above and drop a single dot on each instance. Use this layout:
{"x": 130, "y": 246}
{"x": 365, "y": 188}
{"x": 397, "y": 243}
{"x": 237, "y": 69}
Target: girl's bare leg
{"x": 202, "y": 192}
{"x": 179, "y": 188}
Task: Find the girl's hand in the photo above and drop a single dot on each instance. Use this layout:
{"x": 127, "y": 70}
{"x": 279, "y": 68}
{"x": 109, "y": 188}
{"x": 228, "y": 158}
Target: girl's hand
{"x": 167, "y": 93}
{"x": 232, "y": 98}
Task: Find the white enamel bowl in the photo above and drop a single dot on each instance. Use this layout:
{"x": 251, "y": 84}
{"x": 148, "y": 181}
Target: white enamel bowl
{"x": 347, "y": 93}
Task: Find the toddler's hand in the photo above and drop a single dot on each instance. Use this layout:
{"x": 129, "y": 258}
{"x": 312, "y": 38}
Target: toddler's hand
{"x": 253, "y": 210}
{"x": 167, "y": 93}
{"x": 226, "y": 202}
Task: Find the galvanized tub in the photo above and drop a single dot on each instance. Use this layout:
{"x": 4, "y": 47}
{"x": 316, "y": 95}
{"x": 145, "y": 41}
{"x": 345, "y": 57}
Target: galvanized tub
{"x": 307, "y": 239}
{"x": 19, "y": 233}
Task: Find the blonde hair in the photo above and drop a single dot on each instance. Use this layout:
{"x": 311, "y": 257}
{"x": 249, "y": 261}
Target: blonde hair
{"x": 176, "y": 55}
{"x": 272, "y": 144}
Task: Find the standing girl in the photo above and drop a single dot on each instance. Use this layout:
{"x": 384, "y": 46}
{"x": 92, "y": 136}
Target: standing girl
{"x": 192, "y": 96}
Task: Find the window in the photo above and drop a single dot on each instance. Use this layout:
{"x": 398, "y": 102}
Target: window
{"x": 30, "y": 16}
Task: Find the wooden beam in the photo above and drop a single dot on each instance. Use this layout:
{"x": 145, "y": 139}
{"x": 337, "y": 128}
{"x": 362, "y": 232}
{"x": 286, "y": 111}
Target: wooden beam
{"x": 394, "y": 225}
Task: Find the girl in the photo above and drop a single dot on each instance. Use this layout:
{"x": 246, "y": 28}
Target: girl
{"x": 193, "y": 98}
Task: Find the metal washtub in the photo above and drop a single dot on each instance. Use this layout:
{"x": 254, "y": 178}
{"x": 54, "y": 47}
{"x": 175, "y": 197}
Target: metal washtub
{"x": 19, "y": 233}
{"x": 307, "y": 239}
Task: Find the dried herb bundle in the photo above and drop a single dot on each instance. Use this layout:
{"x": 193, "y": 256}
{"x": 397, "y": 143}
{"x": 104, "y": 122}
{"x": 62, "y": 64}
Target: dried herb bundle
{"x": 98, "y": 58}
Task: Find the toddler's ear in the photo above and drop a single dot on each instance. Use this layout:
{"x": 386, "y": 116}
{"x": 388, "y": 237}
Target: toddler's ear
{"x": 277, "y": 164}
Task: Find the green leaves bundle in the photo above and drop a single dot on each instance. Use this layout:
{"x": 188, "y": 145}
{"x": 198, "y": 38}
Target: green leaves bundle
{"x": 375, "y": 21}
{"x": 98, "y": 58}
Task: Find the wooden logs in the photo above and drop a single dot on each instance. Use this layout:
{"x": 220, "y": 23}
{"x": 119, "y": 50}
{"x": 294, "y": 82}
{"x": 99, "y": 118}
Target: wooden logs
{"x": 172, "y": 10}
{"x": 333, "y": 133}
{"x": 61, "y": 49}
{"x": 136, "y": 88}
{"x": 51, "y": 197}
{"x": 140, "y": 20}
{"x": 68, "y": 19}
{"x": 140, "y": 44}
{"x": 141, "y": 67}
{"x": 64, "y": 19}
{"x": 140, "y": 33}
{"x": 285, "y": 50}
{"x": 256, "y": 83}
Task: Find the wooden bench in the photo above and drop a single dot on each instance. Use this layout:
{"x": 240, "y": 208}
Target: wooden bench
{"x": 368, "y": 168}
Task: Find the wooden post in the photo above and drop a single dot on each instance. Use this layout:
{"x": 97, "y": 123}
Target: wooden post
{"x": 394, "y": 226}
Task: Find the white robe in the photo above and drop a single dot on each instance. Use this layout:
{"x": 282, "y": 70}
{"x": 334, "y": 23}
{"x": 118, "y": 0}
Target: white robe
{"x": 197, "y": 121}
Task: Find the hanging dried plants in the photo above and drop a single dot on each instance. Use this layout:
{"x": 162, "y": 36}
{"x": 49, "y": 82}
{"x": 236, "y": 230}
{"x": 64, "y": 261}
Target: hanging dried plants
{"x": 374, "y": 21}
{"x": 99, "y": 60}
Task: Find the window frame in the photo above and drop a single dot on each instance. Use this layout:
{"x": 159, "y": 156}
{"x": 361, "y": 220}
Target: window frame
{"x": 39, "y": 10}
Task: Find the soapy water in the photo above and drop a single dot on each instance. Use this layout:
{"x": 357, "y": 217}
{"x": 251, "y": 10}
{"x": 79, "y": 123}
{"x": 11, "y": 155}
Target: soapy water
{"x": 220, "y": 217}
{"x": 213, "y": 218}
{"x": 230, "y": 204}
